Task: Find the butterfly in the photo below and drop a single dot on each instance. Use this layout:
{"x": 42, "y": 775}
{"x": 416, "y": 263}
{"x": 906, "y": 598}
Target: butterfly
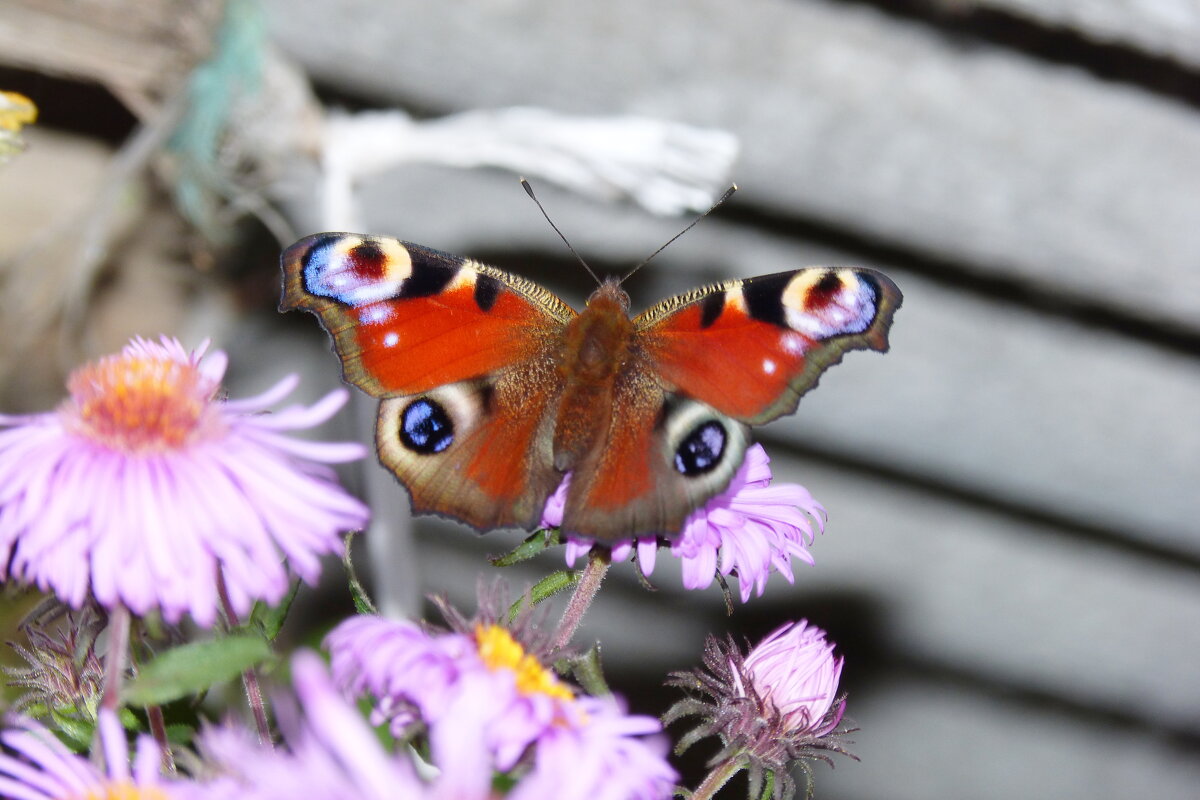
{"x": 493, "y": 389}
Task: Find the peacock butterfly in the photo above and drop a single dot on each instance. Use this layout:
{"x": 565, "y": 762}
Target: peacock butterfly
{"x": 493, "y": 389}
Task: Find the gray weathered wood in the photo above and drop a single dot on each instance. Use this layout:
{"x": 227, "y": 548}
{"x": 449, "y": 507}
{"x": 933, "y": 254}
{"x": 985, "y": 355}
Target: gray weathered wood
{"x": 1025, "y": 170}
{"x": 1168, "y": 28}
{"x": 921, "y": 739}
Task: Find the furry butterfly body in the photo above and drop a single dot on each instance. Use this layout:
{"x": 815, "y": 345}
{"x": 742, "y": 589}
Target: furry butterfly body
{"x": 493, "y": 389}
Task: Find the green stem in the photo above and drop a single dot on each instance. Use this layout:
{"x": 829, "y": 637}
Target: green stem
{"x": 581, "y": 598}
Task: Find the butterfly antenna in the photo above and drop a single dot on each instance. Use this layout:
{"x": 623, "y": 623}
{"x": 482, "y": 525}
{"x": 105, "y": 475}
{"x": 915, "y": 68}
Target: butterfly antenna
{"x": 728, "y": 193}
{"x": 574, "y": 252}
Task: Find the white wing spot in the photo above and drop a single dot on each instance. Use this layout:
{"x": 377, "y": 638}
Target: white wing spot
{"x": 391, "y": 339}
{"x": 769, "y": 366}
{"x": 792, "y": 343}
{"x": 374, "y": 314}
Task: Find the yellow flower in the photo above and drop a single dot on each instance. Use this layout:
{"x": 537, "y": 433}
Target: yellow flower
{"x": 16, "y": 111}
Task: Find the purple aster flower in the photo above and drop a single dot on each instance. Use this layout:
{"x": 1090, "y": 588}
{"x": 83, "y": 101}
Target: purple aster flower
{"x": 34, "y": 765}
{"x": 749, "y": 530}
{"x": 774, "y": 708}
{"x": 480, "y": 685}
{"x": 145, "y": 486}
{"x": 329, "y": 753}
{"x": 604, "y": 754}
{"x": 795, "y": 673}
{"x": 482, "y": 690}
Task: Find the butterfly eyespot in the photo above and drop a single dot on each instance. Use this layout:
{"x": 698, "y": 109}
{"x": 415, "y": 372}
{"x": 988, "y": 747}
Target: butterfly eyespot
{"x": 425, "y": 427}
{"x": 701, "y": 450}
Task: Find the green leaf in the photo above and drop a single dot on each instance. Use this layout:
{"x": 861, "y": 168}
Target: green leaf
{"x": 538, "y": 541}
{"x": 269, "y": 619}
{"x": 544, "y": 589}
{"x": 193, "y": 668}
{"x": 362, "y": 600}
{"x": 589, "y": 673}
{"x": 78, "y": 732}
{"x": 130, "y": 721}
{"x": 181, "y": 734}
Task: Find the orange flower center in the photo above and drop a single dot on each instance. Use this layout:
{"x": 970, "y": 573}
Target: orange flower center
{"x": 139, "y": 403}
{"x": 126, "y": 791}
{"x": 499, "y": 650}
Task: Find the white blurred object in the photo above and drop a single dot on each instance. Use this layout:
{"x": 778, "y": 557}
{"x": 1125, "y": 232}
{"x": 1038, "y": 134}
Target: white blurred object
{"x": 666, "y": 167}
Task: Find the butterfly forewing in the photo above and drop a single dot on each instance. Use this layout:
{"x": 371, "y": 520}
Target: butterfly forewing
{"x": 406, "y": 318}
{"x": 750, "y": 348}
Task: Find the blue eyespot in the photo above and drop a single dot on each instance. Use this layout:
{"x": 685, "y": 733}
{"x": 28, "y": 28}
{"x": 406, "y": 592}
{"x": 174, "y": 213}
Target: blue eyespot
{"x": 425, "y": 427}
{"x": 701, "y": 450}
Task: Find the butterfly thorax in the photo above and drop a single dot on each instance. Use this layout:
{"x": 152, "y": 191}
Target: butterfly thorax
{"x": 596, "y": 347}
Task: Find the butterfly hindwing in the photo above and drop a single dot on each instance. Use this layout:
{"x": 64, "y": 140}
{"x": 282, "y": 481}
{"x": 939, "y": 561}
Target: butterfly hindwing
{"x": 478, "y": 451}
{"x": 406, "y": 318}
{"x": 663, "y": 457}
{"x": 750, "y": 348}
{"x": 463, "y": 355}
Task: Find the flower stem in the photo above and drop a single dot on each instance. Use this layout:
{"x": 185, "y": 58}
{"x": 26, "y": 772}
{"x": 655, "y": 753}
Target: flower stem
{"x": 158, "y": 728}
{"x": 254, "y": 695}
{"x": 154, "y": 714}
{"x": 581, "y": 599}
{"x": 114, "y": 659}
{"x": 718, "y": 778}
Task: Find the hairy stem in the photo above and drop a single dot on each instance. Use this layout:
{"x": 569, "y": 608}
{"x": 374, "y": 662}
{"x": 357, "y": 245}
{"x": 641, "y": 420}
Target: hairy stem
{"x": 581, "y": 598}
{"x": 158, "y": 728}
{"x": 718, "y": 778}
{"x": 254, "y": 695}
{"x": 115, "y": 658}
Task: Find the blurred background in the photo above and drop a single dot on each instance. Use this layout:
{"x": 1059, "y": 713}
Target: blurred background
{"x": 1012, "y": 557}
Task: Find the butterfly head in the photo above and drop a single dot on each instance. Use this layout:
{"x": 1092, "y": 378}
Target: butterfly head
{"x": 609, "y": 296}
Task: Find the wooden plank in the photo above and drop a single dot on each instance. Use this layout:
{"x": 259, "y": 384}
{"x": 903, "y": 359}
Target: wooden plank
{"x": 1012, "y": 602}
{"x": 922, "y": 740}
{"x": 1034, "y": 173}
{"x": 976, "y": 394}
{"x": 1168, "y": 28}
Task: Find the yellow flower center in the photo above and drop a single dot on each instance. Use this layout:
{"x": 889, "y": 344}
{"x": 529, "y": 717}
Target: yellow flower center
{"x": 126, "y": 791}
{"x": 16, "y": 110}
{"x": 139, "y": 403}
{"x": 499, "y": 650}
